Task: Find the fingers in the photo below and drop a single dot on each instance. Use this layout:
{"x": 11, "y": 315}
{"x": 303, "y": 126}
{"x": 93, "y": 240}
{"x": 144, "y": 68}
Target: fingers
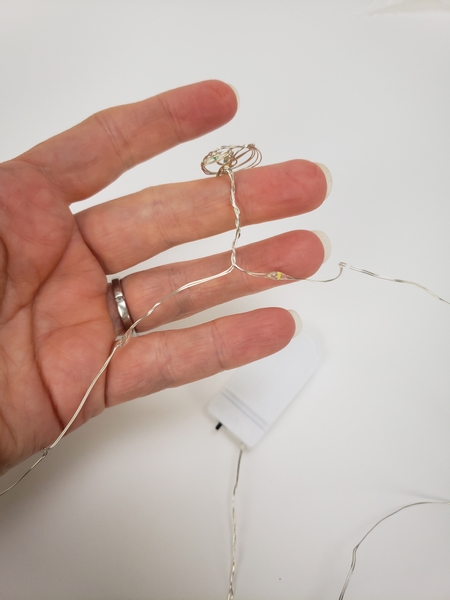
{"x": 172, "y": 358}
{"x": 298, "y": 253}
{"x": 124, "y": 232}
{"x": 86, "y": 158}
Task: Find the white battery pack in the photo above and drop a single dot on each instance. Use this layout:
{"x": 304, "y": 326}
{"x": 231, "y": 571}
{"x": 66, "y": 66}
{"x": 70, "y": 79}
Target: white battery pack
{"x": 256, "y": 394}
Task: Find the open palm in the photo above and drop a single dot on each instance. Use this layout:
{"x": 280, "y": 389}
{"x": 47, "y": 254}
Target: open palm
{"x": 57, "y": 315}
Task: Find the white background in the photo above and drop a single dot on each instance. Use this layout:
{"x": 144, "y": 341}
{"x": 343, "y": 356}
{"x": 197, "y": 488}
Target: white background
{"x": 136, "y": 504}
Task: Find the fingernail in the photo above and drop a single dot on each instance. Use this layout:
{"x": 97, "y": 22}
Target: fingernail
{"x": 297, "y": 321}
{"x": 237, "y": 95}
{"x": 326, "y": 172}
{"x": 325, "y": 243}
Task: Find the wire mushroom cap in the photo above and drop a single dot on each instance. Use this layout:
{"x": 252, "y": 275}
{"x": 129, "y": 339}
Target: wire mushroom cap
{"x": 231, "y": 157}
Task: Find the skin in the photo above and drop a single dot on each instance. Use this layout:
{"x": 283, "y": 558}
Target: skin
{"x": 57, "y": 317}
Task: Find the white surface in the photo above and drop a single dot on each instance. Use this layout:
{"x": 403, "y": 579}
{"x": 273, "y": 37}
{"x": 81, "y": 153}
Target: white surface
{"x": 255, "y": 395}
{"x": 136, "y": 504}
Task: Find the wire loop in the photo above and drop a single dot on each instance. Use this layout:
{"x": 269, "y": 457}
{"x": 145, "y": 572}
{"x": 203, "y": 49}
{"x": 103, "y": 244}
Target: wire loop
{"x": 231, "y": 158}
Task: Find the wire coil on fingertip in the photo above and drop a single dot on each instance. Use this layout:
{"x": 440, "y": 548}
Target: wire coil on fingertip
{"x": 246, "y": 156}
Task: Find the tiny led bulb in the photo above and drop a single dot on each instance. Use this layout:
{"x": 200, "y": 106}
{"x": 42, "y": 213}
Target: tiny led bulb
{"x": 279, "y": 276}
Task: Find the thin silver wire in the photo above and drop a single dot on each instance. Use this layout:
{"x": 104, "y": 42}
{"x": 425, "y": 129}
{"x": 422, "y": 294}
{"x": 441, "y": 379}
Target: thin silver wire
{"x": 355, "y": 549}
{"x": 343, "y": 265}
{"x": 234, "y": 523}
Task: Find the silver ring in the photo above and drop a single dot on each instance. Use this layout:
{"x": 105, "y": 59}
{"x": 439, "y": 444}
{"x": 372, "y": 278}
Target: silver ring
{"x": 122, "y": 307}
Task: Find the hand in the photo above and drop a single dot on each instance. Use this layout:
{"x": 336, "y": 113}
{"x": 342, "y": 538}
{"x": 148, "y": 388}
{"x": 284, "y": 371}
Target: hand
{"x": 58, "y": 320}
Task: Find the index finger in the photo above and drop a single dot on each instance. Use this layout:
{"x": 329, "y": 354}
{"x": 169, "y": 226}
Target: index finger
{"x": 86, "y": 158}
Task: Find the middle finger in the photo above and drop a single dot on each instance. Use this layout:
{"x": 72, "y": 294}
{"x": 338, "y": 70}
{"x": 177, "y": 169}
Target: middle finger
{"x": 124, "y": 232}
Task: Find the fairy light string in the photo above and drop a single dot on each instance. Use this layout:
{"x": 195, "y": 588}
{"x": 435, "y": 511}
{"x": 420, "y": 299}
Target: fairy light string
{"x": 225, "y": 160}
